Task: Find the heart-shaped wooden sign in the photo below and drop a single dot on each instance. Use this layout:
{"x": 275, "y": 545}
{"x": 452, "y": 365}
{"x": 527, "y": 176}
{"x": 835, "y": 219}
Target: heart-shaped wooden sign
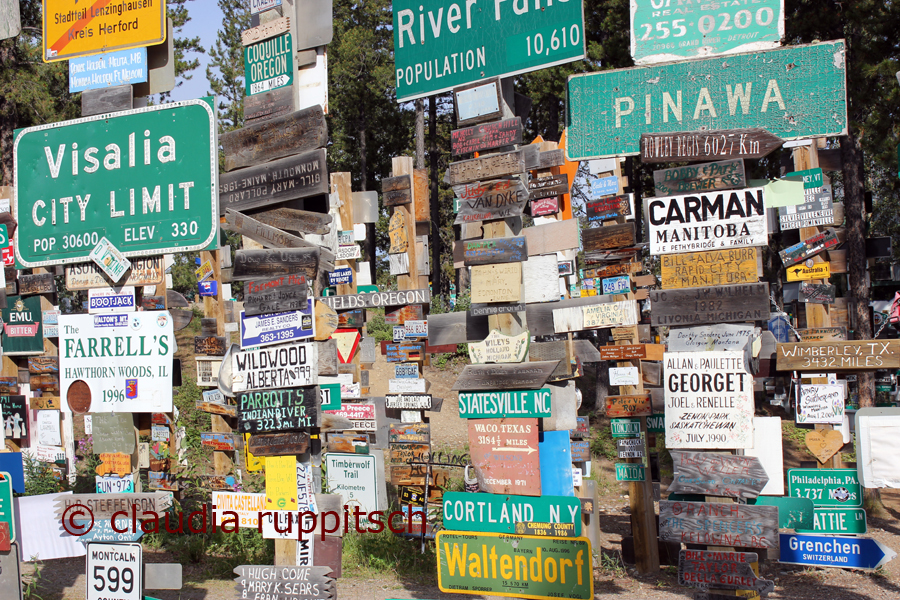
{"x": 824, "y": 444}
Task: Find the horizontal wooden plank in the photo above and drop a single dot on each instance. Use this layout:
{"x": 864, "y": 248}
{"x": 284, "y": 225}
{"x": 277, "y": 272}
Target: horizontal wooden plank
{"x": 704, "y": 145}
{"x": 301, "y": 221}
{"x": 540, "y": 316}
{"x": 609, "y": 237}
{"x": 715, "y": 267}
{"x": 486, "y": 137}
{"x": 268, "y": 236}
{"x": 716, "y": 304}
{"x": 633, "y": 352}
{"x": 608, "y": 209}
{"x": 210, "y": 345}
{"x": 268, "y": 105}
{"x": 376, "y": 299}
{"x": 106, "y": 100}
{"x": 720, "y": 175}
{"x": 495, "y": 250}
{"x": 865, "y": 355}
{"x": 488, "y": 167}
{"x": 265, "y": 31}
{"x": 255, "y": 264}
{"x": 548, "y": 187}
{"x": 394, "y": 184}
{"x": 552, "y": 237}
{"x": 300, "y": 131}
{"x": 277, "y": 299}
{"x": 487, "y": 200}
{"x": 456, "y": 328}
{"x": 529, "y": 376}
{"x": 289, "y": 178}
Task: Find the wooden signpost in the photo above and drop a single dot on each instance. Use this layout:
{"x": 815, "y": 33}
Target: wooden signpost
{"x": 489, "y": 167}
{"x": 497, "y": 283}
{"x": 607, "y": 238}
{"x": 278, "y": 410}
{"x": 487, "y": 200}
{"x": 721, "y": 570}
{"x": 737, "y": 525}
{"x": 719, "y": 304}
{"x": 505, "y": 455}
{"x": 255, "y": 264}
{"x": 717, "y": 474}
{"x": 716, "y": 267}
{"x": 486, "y": 137}
{"x": 268, "y": 236}
{"x": 299, "y": 176}
{"x": 628, "y": 406}
{"x": 865, "y": 355}
{"x": 291, "y": 219}
{"x": 297, "y": 132}
{"x": 396, "y": 190}
{"x": 707, "y": 145}
{"x": 278, "y": 444}
{"x": 525, "y": 376}
{"x": 495, "y": 250}
{"x": 548, "y": 187}
{"x": 721, "y": 175}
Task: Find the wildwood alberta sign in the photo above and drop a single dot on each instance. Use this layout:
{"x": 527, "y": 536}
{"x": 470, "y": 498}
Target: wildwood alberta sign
{"x": 462, "y": 45}
{"x": 106, "y": 176}
{"x": 608, "y": 111}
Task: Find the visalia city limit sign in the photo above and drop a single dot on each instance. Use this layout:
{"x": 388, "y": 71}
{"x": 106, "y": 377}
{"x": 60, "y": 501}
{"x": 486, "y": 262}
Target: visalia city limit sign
{"x": 439, "y": 45}
{"x": 145, "y": 179}
{"x": 608, "y": 111}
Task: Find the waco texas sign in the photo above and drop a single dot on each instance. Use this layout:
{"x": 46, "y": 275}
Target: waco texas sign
{"x": 144, "y": 179}
{"x": 608, "y": 111}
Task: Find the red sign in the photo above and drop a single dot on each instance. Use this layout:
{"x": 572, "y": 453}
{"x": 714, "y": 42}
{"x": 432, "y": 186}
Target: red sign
{"x": 9, "y": 260}
{"x": 505, "y": 455}
{"x": 545, "y": 206}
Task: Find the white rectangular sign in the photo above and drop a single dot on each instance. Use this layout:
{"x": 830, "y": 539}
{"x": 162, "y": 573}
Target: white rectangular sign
{"x": 48, "y": 428}
{"x": 125, "y": 360}
{"x": 821, "y": 404}
{"x": 402, "y": 386}
{"x": 111, "y": 300}
{"x": 355, "y": 478}
{"x": 114, "y": 571}
{"x": 709, "y": 400}
{"x": 710, "y": 221}
{"x": 292, "y": 365}
{"x": 624, "y": 376}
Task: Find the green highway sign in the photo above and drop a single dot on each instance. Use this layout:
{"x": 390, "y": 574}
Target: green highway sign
{"x": 793, "y": 513}
{"x": 826, "y": 487}
{"x": 440, "y": 45}
{"x": 837, "y": 520}
{"x": 505, "y": 403}
{"x": 607, "y": 111}
{"x": 629, "y": 472}
{"x": 6, "y": 504}
{"x": 716, "y": 28}
{"x": 656, "y": 423}
{"x": 145, "y": 179}
{"x": 625, "y": 427}
{"x": 268, "y": 65}
{"x": 500, "y": 513}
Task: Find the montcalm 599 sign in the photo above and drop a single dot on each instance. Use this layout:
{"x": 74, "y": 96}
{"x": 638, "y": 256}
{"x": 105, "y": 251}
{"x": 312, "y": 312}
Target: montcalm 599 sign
{"x": 145, "y": 179}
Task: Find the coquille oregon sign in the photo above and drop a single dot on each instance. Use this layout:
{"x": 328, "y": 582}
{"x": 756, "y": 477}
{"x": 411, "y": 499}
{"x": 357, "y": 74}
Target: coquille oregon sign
{"x": 608, "y": 111}
{"x": 72, "y": 29}
{"x": 269, "y": 64}
{"x": 145, "y": 179}
{"x": 440, "y": 45}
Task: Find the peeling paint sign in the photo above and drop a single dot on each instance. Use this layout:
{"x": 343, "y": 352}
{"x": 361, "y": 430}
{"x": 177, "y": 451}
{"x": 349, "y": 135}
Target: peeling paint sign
{"x": 793, "y": 93}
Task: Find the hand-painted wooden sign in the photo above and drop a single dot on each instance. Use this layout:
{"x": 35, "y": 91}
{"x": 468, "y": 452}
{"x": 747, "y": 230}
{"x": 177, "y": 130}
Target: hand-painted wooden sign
{"x": 299, "y": 176}
{"x": 268, "y": 236}
{"x": 721, "y": 570}
{"x": 407, "y": 453}
{"x": 277, "y": 410}
{"x": 817, "y": 293}
{"x": 43, "y": 364}
{"x": 505, "y": 455}
{"x": 824, "y": 444}
{"x": 740, "y": 525}
{"x": 548, "y": 187}
{"x": 628, "y": 406}
{"x": 808, "y": 271}
{"x": 721, "y": 175}
{"x": 210, "y": 345}
{"x": 268, "y": 105}
{"x": 300, "y": 131}
{"x": 292, "y": 583}
{"x": 398, "y": 234}
{"x": 284, "y": 366}
{"x": 488, "y": 200}
{"x": 717, "y": 474}
{"x": 278, "y": 444}
{"x": 495, "y": 250}
{"x": 396, "y": 190}
{"x": 486, "y": 137}
{"x": 609, "y": 237}
{"x": 499, "y": 348}
{"x": 607, "y": 209}
{"x": 301, "y": 221}
{"x": 489, "y": 167}
{"x": 611, "y": 270}
{"x": 378, "y": 299}
{"x": 42, "y": 283}
{"x": 715, "y": 267}
{"x": 497, "y": 283}
{"x": 710, "y": 221}
{"x": 722, "y": 336}
{"x": 505, "y": 403}
{"x": 838, "y": 356}
{"x": 525, "y": 376}
{"x": 275, "y": 295}
{"x": 808, "y": 248}
{"x": 608, "y": 314}
{"x": 222, "y": 442}
{"x": 821, "y": 403}
{"x": 102, "y": 506}
{"x": 256, "y": 264}
{"x": 418, "y": 433}
{"x": 719, "y": 304}
{"x": 632, "y": 352}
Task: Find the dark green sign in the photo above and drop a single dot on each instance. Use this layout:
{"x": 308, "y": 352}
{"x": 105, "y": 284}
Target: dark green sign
{"x": 656, "y": 423}
{"x": 625, "y": 427}
{"x": 268, "y": 65}
{"x": 837, "y": 520}
{"x": 500, "y": 513}
{"x": 23, "y": 333}
{"x": 793, "y": 513}
{"x": 826, "y": 487}
{"x": 518, "y": 566}
{"x": 505, "y": 403}
{"x": 629, "y": 472}
{"x": 144, "y": 179}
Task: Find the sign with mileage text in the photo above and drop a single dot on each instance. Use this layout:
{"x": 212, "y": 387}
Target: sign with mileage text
{"x": 144, "y": 179}
{"x": 439, "y": 46}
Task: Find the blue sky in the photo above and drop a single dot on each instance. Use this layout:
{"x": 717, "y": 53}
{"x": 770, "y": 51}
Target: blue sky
{"x": 206, "y": 20}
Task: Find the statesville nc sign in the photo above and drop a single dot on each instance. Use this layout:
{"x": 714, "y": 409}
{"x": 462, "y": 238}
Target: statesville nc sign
{"x": 144, "y": 179}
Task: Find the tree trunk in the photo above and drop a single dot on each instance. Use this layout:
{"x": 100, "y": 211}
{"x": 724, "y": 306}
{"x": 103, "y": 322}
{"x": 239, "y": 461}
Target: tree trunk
{"x": 437, "y": 281}
{"x": 420, "y": 133}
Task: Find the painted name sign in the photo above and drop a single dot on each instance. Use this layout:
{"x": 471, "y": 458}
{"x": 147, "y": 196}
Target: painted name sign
{"x": 717, "y": 474}
{"x": 714, "y": 524}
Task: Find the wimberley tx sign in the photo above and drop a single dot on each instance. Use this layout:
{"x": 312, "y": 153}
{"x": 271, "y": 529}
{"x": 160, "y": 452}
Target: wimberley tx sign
{"x": 144, "y": 179}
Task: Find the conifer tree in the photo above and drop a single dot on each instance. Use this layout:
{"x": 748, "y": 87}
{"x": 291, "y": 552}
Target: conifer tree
{"x": 225, "y": 71}
{"x": 178, "y": 12}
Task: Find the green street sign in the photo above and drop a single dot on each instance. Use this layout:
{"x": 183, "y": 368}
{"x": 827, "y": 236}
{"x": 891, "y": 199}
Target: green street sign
{"x": 837, "y": 520}
{"x": 6, "y": 504}
{"x": 607, "y": 111}
{"x": 656, "y": 423}
{"x": 331, "y": 396}
{"x": 4, "y": 236}
{"x": 826, "y": 487}
{"x": 145, "y": 179}
{"x": 505, "y": 403}
{"x": 793, "y": 513}
{"x": 439, "y": 46}
{"x": 520, "y": 566}
{"x": 625, "y": 427}
{"x": 671, "y": 35}
{"x": 500, "y": 513}
{"x": 367, "y": 289}
{"x": 629, "y": 472}
{"x": 268, "y": 65}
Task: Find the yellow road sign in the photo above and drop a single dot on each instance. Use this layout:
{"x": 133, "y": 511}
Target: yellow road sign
{"x": 801, "y": 272}
{"x": 84, "y": 27}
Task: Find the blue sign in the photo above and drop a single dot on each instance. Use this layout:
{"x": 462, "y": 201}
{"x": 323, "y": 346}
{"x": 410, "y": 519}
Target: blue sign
{"x": 556, "y": 464}
{"x": 208, "y": 288}
{"x": 834, "y": 551}
{"x": 605, "y": 186}
{"x": 103, "y": 531}
{"x": 105, "y": 70}
{"x": 780, "y": 329}
{"x": 278, "y": 328}
{"x": 342, "y": 276}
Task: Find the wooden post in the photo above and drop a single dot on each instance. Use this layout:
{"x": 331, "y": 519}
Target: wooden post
{"x": 403, "y": 165}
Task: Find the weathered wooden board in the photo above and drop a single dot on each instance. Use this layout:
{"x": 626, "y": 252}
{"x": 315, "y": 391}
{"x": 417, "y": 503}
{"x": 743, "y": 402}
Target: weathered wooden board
{"x": 290, "y": 178}
{"x": 721, "y": 175}
{"x": 497, "y": 283}
{"x": 548, "y": 187}
{"x": 719, "y": 304}
{"x": 552, "y": 237}
{"x": 397, "y": 197}
{"x": 825, "y": 240}
{"x": 419, "y": 433}
{"x": 721, "y": 570}
{"x": 613, "y": 270}
{"x": 301, "y": 221}
{"x": 398, "y": 233}
{"x": 394, "y": 184}
{"x": 823, "y": 334}
{"x": 107, "y": 100}
{"x": 257, "y": 264}
{"x": 278, "y": 444}
{"x": 278, "y": 410}
{"x": 417, "y": 474}
{"x": 633, "y": 352}
{"x": 486, "y": 137}
{"x": 717, "y": 474}
{"x": 715, "y": 267}
{"x": 406, "y": 453}
{"x": 628, "y": 406}
{"x": 705, "y": 145}
{"x": 817, "y": 293}
{"x": 268, "y": 105}
{"x": 540, "y": 279}
{"x": 557, "y": 351}
{"x": 102, "y": 506}
{"x": 210, "y": 345}
{"x": 838, "y": 356}
{"x": 551, "y": 158}
{"x": 484, "y": 310}
{"x": 457, "y": 328}
{"x": 489, "y": 167}
{"x": 222, "y": 442}
{"x": 721, "y": 336}
{"x": 293, "y": 583}
{"x": 300, "y": 131}
{"x": 505, "y": 455}
{"x": 606, "y": 209}
{"x": 528, "y": 376}
{"x": 282, "y": 297}
{"x": 400, "y": 316}
{"x": 592, "y": 316}
{"x": 500, "y": 348}
{"x": 42, "y": 283}
{"x": 609, "y": 237}
{"x": 43, "y": 364}
{"x": 539, "y": 316}
{"x": 376, "y": 299}
{"x": 265, "y": 31}
{"x": 487, "y": 200}
{"x": 353, "y": 319}
{"x": 268, "y": 236}
{"x": 328, "y": 357}
{"x": 351, "y": 443}
{"x": 495, "y": 250}
{"x": 739, "y": 525}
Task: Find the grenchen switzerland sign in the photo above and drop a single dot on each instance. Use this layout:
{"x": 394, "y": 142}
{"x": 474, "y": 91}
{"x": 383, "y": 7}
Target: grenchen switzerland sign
{"x": 440, "y": 45}
{"x": 795, "y": 92}
{"x": 145, "y": 179}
